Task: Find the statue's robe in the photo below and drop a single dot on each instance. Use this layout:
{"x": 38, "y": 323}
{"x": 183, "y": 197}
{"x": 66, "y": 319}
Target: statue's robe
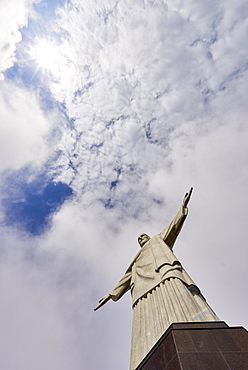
{"x": 162, "y": 291}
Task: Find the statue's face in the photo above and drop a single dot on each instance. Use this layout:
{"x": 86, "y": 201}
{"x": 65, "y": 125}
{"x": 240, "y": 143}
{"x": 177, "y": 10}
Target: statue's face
{"x": 143, "y": 239}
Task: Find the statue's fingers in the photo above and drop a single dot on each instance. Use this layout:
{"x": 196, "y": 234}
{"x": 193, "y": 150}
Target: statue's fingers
{"x": 96, "y": 308}
{"x": 185, "y": 197}
{"x": 101, "y": 303}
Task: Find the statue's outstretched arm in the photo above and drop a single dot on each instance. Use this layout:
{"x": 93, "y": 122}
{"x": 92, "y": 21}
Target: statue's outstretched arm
{"x": 103, "y": 301}
{"x": 171, "y": 232}
{"x": 121, "y": 288}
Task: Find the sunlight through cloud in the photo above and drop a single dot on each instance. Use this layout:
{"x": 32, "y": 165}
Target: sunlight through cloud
{"x": 49, "y": 57}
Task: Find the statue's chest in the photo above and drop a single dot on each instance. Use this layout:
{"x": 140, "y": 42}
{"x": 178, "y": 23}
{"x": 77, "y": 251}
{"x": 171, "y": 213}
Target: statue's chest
{"x": 144, "y": 266}
{"x": 145, "y": 258}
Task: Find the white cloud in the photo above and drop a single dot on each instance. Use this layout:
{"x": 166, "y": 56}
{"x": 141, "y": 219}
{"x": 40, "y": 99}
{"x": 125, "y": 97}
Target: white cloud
{"x": 24, "y": 128}
{"x": 13, "y": 15}
{"x": 40, "y": 304}
{"x": 133, "y": 95}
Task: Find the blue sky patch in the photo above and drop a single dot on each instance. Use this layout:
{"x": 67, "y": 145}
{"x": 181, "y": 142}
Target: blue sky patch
{"x": 32, "y": 208}
{"x": 48, "y": 7}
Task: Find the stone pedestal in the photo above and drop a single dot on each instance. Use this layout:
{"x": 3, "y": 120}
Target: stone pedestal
{"x": 199, "y": 346}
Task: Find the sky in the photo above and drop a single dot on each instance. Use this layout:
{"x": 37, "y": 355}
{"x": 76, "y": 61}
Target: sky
{"x": 110, "y": 111}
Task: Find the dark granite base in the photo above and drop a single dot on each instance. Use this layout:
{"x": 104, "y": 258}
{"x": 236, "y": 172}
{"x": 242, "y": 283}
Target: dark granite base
{"x": 199, "y": 346}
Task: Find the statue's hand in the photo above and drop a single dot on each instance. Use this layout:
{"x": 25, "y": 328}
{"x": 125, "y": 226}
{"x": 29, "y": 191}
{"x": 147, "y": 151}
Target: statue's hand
{"x": 103, "y": 301}
{"x": 187, "y": 197}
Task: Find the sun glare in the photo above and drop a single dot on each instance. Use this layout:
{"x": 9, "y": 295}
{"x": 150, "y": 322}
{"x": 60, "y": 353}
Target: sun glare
{"x": 51, "y": 58}
{"x": 47, "y": 55}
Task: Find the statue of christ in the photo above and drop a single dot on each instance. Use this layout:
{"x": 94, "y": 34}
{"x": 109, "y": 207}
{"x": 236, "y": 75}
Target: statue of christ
{"x": 162, "y": 291}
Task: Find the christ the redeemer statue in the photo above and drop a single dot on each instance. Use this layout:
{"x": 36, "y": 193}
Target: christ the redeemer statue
{"x": 162, "y": 291}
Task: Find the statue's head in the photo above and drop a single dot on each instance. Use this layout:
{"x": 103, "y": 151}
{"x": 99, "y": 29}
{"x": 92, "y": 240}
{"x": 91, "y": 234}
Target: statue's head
{"x": 143, "y": 239}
